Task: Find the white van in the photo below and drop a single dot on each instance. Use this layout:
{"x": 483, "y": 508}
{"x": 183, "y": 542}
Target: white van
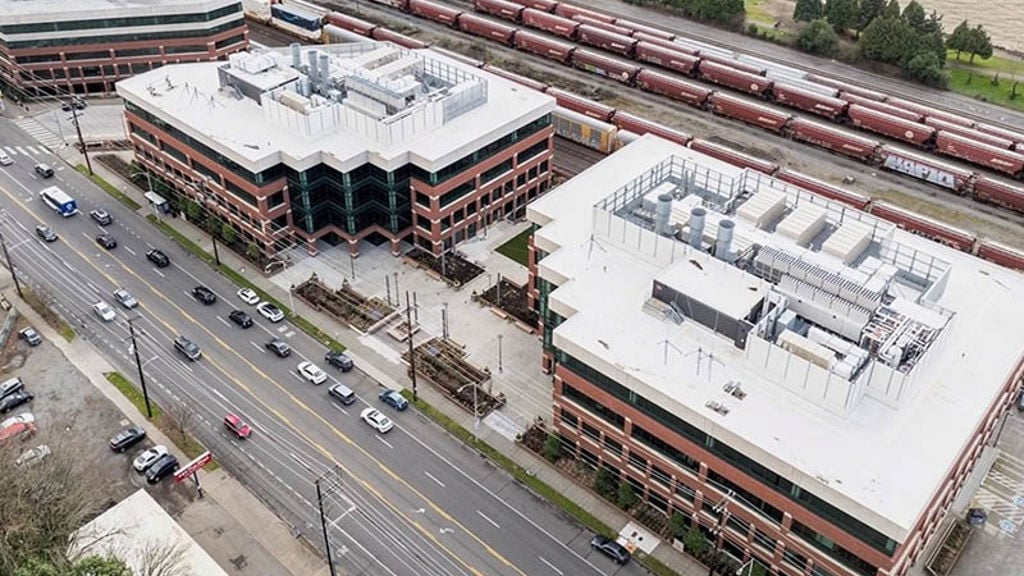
{"x": 5, "y": 159}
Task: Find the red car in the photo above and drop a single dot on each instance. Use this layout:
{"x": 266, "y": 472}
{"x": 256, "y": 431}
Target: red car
{"x": 23, "y": 430}
{"x": 237, "y": 426}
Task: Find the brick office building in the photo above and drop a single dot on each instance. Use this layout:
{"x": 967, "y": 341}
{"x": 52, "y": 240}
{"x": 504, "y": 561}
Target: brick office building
{"x": 85, "y": 46}
{"x": 808, "y": 384}
{"x": 344, "y": 142}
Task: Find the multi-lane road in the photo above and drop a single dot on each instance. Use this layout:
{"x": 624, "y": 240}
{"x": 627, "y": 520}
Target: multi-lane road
{"x": 411, "y": 502}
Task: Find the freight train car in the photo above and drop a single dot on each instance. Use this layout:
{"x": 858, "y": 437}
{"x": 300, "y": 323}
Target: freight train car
{"x": 924, "y": 226}
{"x": 825, "y": 189}
{"x": 733, "y": 157}
{"x": 606, "y": 40}
{"x": 542, "y": 46}
{"x": 976, "y": 152}
{"x": 666, "y": 58}
{"x": 808, "y": 101}
{"x": 971, "y": 133}
{"x": 582, "y": 105}
{"x": 585, "y": 130}
{"x": 638, "y": 125}
{"x": 604, "y": 66}
{"x": 486, "y": 29}
{"x": 1001, "y": 254}
{"x": 732, "y": 77}
{"x": 658, "y": 83}
{"x": 500, "y": 8}
{"x": 750, "y": 112}
{"x": 926, "y": 168}
{"x": 891, "y": 126}
{"x": 834, "y": 139}
{"x": 999, "y": 193}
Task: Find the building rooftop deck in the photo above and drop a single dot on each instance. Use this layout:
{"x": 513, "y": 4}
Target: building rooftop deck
{"x": 20, "y": 11}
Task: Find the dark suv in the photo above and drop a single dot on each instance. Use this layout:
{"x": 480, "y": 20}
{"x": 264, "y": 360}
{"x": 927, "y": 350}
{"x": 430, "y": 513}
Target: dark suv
{"x": 610, "y": 548}
{"x": 204, "y": 295}
{"x": 162, "y": 467}
{"x": 159, "y": 258}
{"x": 339, "y": 360}
{"x": 279, "y": 347}
{"x": 127, "y": 438}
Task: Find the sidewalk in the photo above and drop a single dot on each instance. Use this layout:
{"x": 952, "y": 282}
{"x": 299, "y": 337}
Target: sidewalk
{"x": 388, "y": 374}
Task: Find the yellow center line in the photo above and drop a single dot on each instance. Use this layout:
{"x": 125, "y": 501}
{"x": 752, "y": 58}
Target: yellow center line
{"x": 366, "y": 485}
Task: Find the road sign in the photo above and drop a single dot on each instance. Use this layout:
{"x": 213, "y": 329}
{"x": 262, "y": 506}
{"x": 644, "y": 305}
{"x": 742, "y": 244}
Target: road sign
{"x": 193, "y": 466}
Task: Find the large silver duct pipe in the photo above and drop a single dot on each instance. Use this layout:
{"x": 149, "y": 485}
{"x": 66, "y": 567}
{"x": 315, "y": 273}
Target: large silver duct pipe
{"x": 296, "y": 55}
{"x": 314, "y": 76}
{"x": 325, "y": 72}
{"x": 697, "y": 227}
{"x": 723, "y": 242}
{"x": 662, "y": 212}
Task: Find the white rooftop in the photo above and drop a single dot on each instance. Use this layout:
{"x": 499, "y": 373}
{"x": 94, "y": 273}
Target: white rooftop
{"x": 381, "y": 104}
{"x": 22, "y": 11}
{"x": 878, "y": 452}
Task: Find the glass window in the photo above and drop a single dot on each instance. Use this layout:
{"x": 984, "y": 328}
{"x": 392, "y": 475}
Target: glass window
{"x": 275, "y": 199}
{"x": 458, "y": 192}
{"x": 422, "y": 199}
{"x": 612, "y": 446}
{"x": 593, "y": 406}
{"x": 569, "y": 419}
{"x": 637, "y": 461}
{"x": 591, "y": 432}
{"x": 458, "y": 216}
{"x": 685, "y": 492}
{"x": 532, "y": 151}
{"x": 660, "y": 476}
{"x": 497, "y": 171}
{"x": 423, "y": 222}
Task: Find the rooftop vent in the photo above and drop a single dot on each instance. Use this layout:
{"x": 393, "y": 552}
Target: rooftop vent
{"x": 735, "y": 390}
{"x": 717, "y": 407}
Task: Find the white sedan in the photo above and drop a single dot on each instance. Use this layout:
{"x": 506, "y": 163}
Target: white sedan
{"x": 270, "y": 312}
{"x": 249, "y": 296}
{"x": 33, "y": 455}
{"x": 104, "y": 311}
{"x": 312, "y": 373}
{"x": 23, "y": 418}
{"x": 147, "y": 457}
{"x": 376, "y": 420}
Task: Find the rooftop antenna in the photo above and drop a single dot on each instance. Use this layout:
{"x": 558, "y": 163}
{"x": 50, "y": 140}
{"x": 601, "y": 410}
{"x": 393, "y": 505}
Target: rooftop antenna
{"x": 668, "y": 345}
{"x": 593, "y": 242}
{"x": 701, "y": 354}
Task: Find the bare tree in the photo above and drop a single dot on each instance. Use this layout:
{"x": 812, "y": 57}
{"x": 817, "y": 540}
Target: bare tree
{"x": 162, "y": 558}
{"x": 181, "y": 416}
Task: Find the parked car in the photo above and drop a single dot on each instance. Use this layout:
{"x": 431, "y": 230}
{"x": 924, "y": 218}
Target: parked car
{"x": 610, "y": 548}
{"x": 30, "y": 336}
{"x": 312, "y": 373}
{"x": 237, "y": 426}
{"x": 376, "y": 420}
{"x": 147, "y": 457}
{"x": 43, "y": 170}
{"x": 127, "y": 438}
{"x": 101, "y": 217}
{"x": 104, "y": 311}
{"x": 106, "y": 240}
{"x": 393, "y": 399}
{"x": 187, "y": 347}
{"x": 20, "y": 430}
{"x": 241, "y": 318}
{"x": 249, "y": 296}
{"x": 339, "y": 360}
{"x": 204, "y": 295}
{"x": 342, "y": 393}
{"x": 270, "y": 312}
{"x": 5, "y": 159}
{"x": 23, "y": 418}
{"x": 12, "y": 401}
{"x": 167, "y": 464}
{"x": 159, "y": 258}
{"x": 279, "y": 347}
{"x": 33, "y": 455}
{"x": 125, "y": 298}
{"x": 46, "y": 233}
{"x": 10, "y": 386}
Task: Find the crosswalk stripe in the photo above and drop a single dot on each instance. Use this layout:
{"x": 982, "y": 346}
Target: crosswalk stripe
{"x": 32, "y": 149}
{"x": 20, "y": 150}
{"x": 11, "y": 151}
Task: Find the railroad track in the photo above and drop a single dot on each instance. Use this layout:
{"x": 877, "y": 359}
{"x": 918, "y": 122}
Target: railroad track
{"x": 571, "y": 158}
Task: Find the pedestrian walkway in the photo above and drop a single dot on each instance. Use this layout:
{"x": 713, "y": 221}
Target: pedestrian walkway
{"x": 27, "y": 151}
{"x": 41, "y": 133}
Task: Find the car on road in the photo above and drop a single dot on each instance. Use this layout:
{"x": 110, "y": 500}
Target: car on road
{"x": 312, "y": 373}
{"x": 46, "y": 233}
{"x": 270, "y": 312}
{"x": 33, "y": 455}
{"x": 159, "y": 258}
{"x": 30, "y": 336}
{"x": 237, "y": 426}
{"x": 5, "y": 159}
{"x": 610, "y": 548}
{"x": 241, "y": 318}
{"x": 106, "y": 240}
{"x": 125, "y": 298}
{"x": 104, "y": 311}
{"x": 12, "y": 401}
{"x": 127, "y": 438}
{"x": 23, "y": 418}
{"x": 167, "y": 464}
{"x": 22, "y": 430}
{"x": 393, "y": 399}
{"x": 339, "y": 360}
{"x": 187, "y": 347}
{"x": 376, "y": 420}
{"x": 10, "y": 386}
{"x": 101, "y": 217}
{"x": 279, "y": 347}
{"x": 342, "y": 393}
{"x": 204, "y": 295}
{"x": 43, "y": 170}
{"x": 147, "y": 457}
{"x": 249, "y": 296}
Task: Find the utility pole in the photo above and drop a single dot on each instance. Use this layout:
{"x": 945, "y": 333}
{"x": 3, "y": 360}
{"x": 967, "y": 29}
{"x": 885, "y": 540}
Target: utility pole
{"x": 412, "y": 351}
{"x": 78, "y": 130}
{"x": 14, "y": 275}
{"x": 138, "y": 364}
{"x": 500, "y": 336}
{"x": 721, "y": 510}
{"x": 213, "y": 234}
{"x": 323, "y": 523}
{"x": 444, "y": 321}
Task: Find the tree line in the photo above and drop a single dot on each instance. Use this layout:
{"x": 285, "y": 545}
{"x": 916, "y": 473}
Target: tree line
{"x": 908, "y": 38}
{"x": 729, "y": 13}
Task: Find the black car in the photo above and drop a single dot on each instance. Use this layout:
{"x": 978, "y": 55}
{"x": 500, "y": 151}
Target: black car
{"x": 12, "y": 401}
{"x": 30, "y": 336}
{"x": 46, "y": 233}
{"x": 204, "y": 295}
{"x": 107, "y": 241}
{"x": 127, "y": 438}
{"x": 101, "y": 217}
{"x": 241, "y": 318}
{"x": 339, "y": 360}
{"x": 162, "y": 467}
{"x": 279, "y": 347}
{"x": 159, "y": 258}
{"x": 610, "y": 548}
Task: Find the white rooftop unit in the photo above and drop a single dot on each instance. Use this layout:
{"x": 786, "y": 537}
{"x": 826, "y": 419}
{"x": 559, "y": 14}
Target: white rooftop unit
{"x": 807, "y": 349}
{"x": 803, "y": 224}
{"x": 763, "y": 208}
{"x": 849, "y": 241}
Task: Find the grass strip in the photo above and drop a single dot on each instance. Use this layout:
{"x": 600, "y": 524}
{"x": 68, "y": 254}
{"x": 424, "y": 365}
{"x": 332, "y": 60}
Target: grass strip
{"x": 133, "y": 394}
{"x": 109, "y": 188}
{"x": 49, "y": 316}
{"x": 517, "y": 248}
{"x": 180, "y": 238}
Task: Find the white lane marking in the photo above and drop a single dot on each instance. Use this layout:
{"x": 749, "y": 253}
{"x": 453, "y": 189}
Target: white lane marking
{"x": 297, "y": 377}
{"x": 128, "y": 250}
{"x": 223, "y": 321}
{"x": 381, "y": 438}
{"x": 431, "y": 476}
{"x": 340, "y": 409}
{"x": 550, "y": 565}
{"x": 484, "y": 516}
{"x": 258, "y": 347}
{"x": 161, "y": 274}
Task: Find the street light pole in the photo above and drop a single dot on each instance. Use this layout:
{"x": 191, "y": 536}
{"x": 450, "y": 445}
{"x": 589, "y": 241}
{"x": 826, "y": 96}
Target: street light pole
{"x": 213, "y": 235}
{"x": 499, "y": 353}
{"x": 81, "y": 140}
{"x": 412, "y": 350}
{"x": 323, "y": 523}
{"x": 14, "y": 275}
{"x": 138, "y": 364}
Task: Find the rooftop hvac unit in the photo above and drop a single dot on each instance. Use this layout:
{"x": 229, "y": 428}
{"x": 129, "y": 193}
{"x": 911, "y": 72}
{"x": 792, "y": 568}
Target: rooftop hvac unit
{"x": 763, "y": 208}
{"x": 848, "y": 242}
{"x": 803, "y": 224}
{"x": 806, "y": 349}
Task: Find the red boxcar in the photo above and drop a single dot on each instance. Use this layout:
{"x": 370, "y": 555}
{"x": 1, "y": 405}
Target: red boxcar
{"x": 809, "y": 101}
{"x": 978, "y": 153}
{"x": 733, "y": 157}
{"x": 733, "y": 64}
{"x": 1001, "y": 193}
{"x": 665, "y": 57}
{"x": 925, "y": 167}
{"x": 581, "y": 105}
{"x": 846, "y": 87}
{"x": 665, "y": 43}
{"x": 499, "y": 8}
{"x": 523, "y": 80}
{"x": 1017, "y": 137}
{"x": 881, "y": 107}
{"x": 351, "y": 24}
{"x": 929, "y": 111}
{"x": 603, "y": 25}
{"x": 384, "y": 35}
{"x": 733, "y": 78}
{"x": 543, "y": 46}
{"x": 604, "y": 66}
{"x": 570, "y": 10}
{"x": 467, "y": 60}
{"x": 924, "y": 226}
{"x": 638, "y": 28}
{"x": 550, "y": 23}
{"x": 542, "y": 5}
{"x": 638, "y": 125}
{"x": 675, "y": 88}
{"x": 435, "y": 12}
{"x": 970, "y": 133}
{"x": 486, "y": 28}
{"x": 609, "y": 41}
{"x": 825, "y": 189}
{"x": 834, "y": 139}
{"x": 891, "y": 126}
{"x": 750, "y": 112}
{"x": 1001, "y": 254}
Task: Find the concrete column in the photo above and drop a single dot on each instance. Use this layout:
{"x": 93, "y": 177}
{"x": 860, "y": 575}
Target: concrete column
{"x": 353, "y": 248}
{"x": 396, "y": 248}
{"x": 311, "y": 248}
